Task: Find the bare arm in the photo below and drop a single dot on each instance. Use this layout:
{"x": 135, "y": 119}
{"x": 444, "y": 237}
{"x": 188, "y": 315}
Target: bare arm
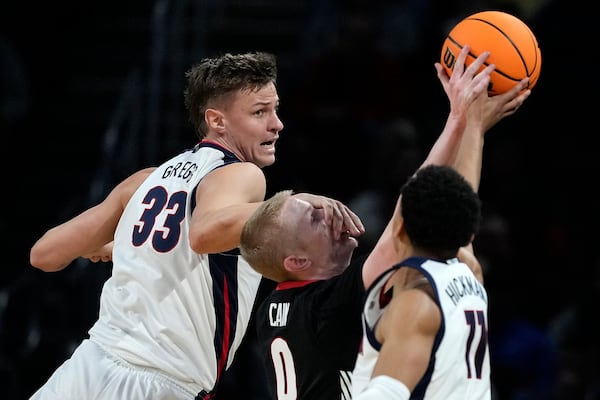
{"x": 407, "y": 331}
{"x": 467, "y": 255}
{"x": 462, "y": 89}
{"x": 87, "y": 232}
{"x": 225, "y": 199}
{"x": 472, "y": 113}
{"x": 483, "y": 113}
{"x": 103, "y": 254}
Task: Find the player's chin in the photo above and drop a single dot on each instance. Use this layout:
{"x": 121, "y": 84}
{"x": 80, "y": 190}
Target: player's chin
{"x": 265, "y": 154}
{"x": 265, "y": 160}
{"x": 349, "y": 241}
{"x": 346, "y": 249}
{"x": 344, "y": 245}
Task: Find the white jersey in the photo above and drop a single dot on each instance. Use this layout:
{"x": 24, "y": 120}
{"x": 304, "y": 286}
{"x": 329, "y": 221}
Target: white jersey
{"x": 166, "y": 306}
{"x": 459, "y": 367}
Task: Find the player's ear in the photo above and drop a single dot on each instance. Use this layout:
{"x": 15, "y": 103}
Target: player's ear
{"x": 296, "y": 264}
{"x": 400, "y": 232}
{"x": 397, "y": 226}
{"x": 214, "y": 119}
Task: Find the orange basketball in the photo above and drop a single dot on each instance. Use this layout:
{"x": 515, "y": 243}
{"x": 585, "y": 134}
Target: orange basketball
{"x": 512, "y": 45}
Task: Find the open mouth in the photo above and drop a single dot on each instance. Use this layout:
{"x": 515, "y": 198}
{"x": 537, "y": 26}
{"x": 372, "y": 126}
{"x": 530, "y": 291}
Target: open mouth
{"x": 346, "y": 235}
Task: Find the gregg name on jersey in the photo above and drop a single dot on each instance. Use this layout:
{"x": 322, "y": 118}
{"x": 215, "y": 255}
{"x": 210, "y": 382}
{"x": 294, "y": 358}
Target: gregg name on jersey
{"x": 180, "y": 170}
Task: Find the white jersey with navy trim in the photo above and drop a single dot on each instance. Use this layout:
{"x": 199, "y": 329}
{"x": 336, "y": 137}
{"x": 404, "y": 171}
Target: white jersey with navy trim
{"x": 164, "y": 304}
{"x": 459, "y": 367}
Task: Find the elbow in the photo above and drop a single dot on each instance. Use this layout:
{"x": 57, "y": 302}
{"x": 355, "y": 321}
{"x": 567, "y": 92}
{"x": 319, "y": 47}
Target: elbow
{"x": 216, "y": 240}
{"x": 42, "y": 260}
{"x": 197, "y": 244}
{"x": 203, "y": 242}
{"x": 36, "y": 259}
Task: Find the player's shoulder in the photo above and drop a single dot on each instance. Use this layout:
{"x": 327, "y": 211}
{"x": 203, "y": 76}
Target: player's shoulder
{"x": 414, "y": 306}
{"x": 125, "y": 189}
{"x": 239, "y": 174}
{"x": 245, "y": 168}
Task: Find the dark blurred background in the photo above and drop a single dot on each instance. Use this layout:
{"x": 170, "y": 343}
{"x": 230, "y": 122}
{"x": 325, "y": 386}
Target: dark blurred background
{"x": 91, "y": 91}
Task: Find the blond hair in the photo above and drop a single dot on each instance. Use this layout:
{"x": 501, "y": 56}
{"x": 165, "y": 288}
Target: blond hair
{"x": 264, "y": 239}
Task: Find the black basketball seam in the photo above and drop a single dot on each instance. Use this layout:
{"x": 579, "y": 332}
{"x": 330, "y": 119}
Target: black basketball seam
{"x": 509, "y": 40}
{"x": 499, "y": 72}
{"x": 537, "y": 63}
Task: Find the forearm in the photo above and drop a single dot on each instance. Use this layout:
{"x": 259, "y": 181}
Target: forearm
{"x": 470, "y": 155}
{"x": 460, "y": 145}
{"x": 220, "y": 230}
{"x": 445, "y": 150}
{"x": 48, "y": 256}
{"x": 467, "y": 255}
{"x": 61, "y": 245}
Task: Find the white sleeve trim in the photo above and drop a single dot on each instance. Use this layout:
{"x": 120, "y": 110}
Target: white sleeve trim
{"x": 384, "y": 387}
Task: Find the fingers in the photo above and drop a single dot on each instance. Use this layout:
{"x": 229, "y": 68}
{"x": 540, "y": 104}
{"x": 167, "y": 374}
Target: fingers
{"x": 336, "y": 214}
{"x": 515, "y": 97}
{"x": 103, "y": 254}
{"x": 477, "y": 63}
{"x": 482, "y": 79}
{"x": 337, "y": 222}
{"x": 478, "y": 75}
{"x": 98, "y": 258}
{"x": 516, "y": 90}
{"x": 467, "y": 83}
{"x": 350, "y": 222}
{"x": 467, "y": 91}
{"x": 460, "y": 68}
{"x": 342, "y": 219}
{"x": 457, "y": 69}
{"x": 459, "y": 64}
{"x": 443, "y": 77}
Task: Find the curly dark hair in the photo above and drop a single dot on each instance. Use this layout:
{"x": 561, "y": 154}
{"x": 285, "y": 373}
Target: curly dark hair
{"x": 441, "y": 211}
{"x": 212, "y": 79}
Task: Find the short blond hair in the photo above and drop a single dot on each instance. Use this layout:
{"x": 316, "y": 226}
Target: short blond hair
{"x": 265, "y": 240}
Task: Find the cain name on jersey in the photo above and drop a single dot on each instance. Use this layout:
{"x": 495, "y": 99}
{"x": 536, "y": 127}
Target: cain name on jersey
{"x": 278, "y": 313}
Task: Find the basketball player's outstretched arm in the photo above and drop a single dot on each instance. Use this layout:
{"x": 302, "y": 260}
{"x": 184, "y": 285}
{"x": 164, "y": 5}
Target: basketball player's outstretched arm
{"x": 86, "y": 233}
{"x": 227, "y": 197}
{"x": 472, "y": 113}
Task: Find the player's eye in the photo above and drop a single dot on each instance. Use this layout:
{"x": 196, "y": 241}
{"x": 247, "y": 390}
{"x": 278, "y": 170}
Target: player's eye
{"x": 316, "y": 216}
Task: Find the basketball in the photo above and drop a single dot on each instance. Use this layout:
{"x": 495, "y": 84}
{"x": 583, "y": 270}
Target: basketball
{"x": 512, "y": 45}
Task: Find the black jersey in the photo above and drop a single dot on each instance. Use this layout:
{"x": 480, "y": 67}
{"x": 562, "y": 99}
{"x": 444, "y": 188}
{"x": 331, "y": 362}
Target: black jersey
{"x": 309, "y": 333}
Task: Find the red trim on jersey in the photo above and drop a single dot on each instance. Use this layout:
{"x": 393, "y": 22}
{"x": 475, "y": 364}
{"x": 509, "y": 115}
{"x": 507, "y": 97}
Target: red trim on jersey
{"x": 226, "y": 330}
{"x": 385, "y": 294}
{"x": 293, "y": 284}
{"x": 214, "y": 143}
